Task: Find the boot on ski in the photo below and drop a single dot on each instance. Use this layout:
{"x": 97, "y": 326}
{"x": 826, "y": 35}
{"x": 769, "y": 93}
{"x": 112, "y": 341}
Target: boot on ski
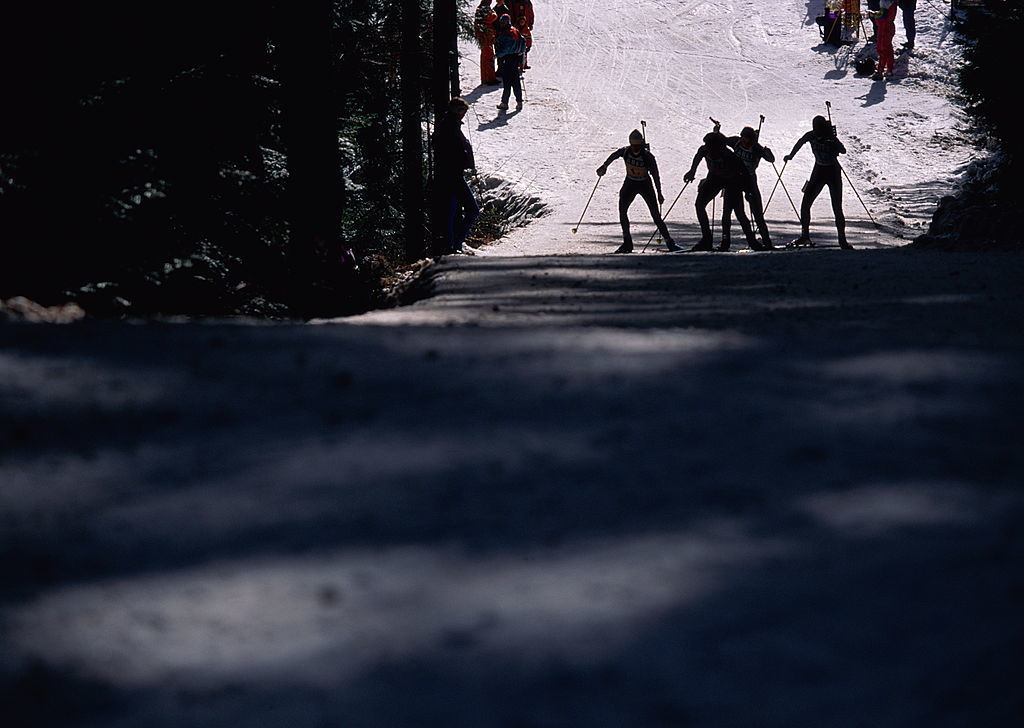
{"x": 703, "y": 245}
{"x": 626, "y": 247}
{"x": 673, "y": 246}
{"x": 803, "y": 241}
{"x": 725, "y": 244}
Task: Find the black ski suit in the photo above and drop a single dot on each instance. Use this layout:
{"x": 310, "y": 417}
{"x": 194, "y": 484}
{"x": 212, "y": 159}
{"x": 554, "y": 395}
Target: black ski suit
{"x": 455, "y": 199}
{"x": 827, "y": 171}
{"x": 751, "y": 158}
{"x": 641, "y": 168}
{"x": 726, "y": 172}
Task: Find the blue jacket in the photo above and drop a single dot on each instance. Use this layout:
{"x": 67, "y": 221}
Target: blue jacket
{"x": 506, "y": 45}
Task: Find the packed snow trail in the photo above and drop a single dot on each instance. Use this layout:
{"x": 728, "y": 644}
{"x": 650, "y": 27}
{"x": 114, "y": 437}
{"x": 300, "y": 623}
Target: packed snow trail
{"x": 779, "y": 491}
{"x": 598, "y": 68}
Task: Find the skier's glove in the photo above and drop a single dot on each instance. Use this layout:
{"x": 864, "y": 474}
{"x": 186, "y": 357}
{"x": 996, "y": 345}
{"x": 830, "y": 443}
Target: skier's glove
{"x": 787, "y": 158}
{"x": 661, "y": 199}
{"x": 601, "y": 170}
{"x": 689, "y": 177}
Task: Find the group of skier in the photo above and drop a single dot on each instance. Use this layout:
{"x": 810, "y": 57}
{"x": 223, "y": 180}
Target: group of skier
{"x": 732, "y": 172}
{"x": 504, "y": 32}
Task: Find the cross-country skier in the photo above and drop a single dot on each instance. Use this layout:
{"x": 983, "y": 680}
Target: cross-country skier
{"x": 509, "y": 48}
{"x": 751, "y": 153}
{"x": 885, "y": 31}
{"x": 641, "y": 169}
{"x": 725, "y": 173}
{"x": 826, "y": 149}
{"x": 483, "y": 25}
{"x": 454, "y": 154}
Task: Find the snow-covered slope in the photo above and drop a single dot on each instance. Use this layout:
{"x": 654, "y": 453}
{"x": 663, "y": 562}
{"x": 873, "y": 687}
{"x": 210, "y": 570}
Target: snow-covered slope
{"x": 598, "y": 68}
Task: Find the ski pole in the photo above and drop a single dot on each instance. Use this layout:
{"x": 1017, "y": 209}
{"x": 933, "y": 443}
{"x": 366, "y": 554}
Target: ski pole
{"x": 665, "y": 216}
{"x": 587, "y": 205}
{"x": 828, "y": 105}
{"x": 759, "y": 125}
{"x": 777, "y": 182}
{"x": 870, "y": 216}
{"x": 784, "y": 189}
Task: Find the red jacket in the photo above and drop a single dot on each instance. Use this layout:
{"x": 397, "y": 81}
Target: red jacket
{"x": 483, "y": 24}
{"x": 522, "y": 9}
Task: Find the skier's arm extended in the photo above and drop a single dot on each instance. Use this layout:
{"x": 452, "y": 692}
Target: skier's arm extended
{"x": 652, "y": 164}
{"x": 611, "y": 158}
{"x": 691, "y": 175}
{"x": 767, "y": 154}
{"x": 796, "y": 147}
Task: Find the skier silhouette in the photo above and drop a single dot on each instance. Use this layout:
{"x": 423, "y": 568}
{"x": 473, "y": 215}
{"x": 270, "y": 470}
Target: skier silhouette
{"x": 750, "y": 152}
{"x": 641, "y": 168}
{"x": 728, "y": 174}
{"x": 826, "y": 149}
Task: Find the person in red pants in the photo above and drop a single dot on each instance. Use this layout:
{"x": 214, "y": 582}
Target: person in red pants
{"x": 527, "y": 36}
{"x": 521, "y": 9}
{"x": 483, "y": 24}
{"x": 885, "y": 31}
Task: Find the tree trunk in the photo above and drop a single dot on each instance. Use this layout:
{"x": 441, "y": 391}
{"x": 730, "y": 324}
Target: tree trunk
{"x": 446, "y": 56}
{"x": 310, "y": 131}
{"x": 412, "y": 131}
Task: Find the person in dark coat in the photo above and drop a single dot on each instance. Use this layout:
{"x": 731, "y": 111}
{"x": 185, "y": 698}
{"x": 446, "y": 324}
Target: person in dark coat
{"x": 826, "y": 149}
{"x": 454, "y": 155}
{"x": 908, "y": 7}
{"x": 642, "y": 178}
{"x": 727, "y": 174}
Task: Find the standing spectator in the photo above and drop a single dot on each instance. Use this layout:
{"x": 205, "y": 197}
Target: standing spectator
{"x": 907, "y": 7}
{"x": 885, "y": 20}
{"x": 484, "y": 26}
{"x": 873, "y": 7}
{"x": 502, "y": 7}
{"x": 527, "y": 35}
{"x": 826, "y": 149}
{"x": 509, "y": 48}
{"x": 522, "y": 9}
{"x": 454, "y": 154}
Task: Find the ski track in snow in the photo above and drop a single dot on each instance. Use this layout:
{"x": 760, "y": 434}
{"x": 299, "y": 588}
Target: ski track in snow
{"x": 595, "y": 74}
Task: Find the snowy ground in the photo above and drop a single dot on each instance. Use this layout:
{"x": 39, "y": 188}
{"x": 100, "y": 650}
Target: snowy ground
{"x": 601, "y": 67}
{"x": 577, "y": 491}
{"x": 586, "y": 492}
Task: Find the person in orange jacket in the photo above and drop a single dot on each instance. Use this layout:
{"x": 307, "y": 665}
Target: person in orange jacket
{"x": 483, "y": 25}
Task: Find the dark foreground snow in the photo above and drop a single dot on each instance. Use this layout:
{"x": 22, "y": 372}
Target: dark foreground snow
{"x": 745, "y": 490}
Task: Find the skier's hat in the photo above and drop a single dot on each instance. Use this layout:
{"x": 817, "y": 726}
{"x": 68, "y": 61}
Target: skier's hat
{"x": 821, "y": 126}
{"x": 715, "y": 139}
{"x": 749, "y": 133}
{"x": 635, "y": 137}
